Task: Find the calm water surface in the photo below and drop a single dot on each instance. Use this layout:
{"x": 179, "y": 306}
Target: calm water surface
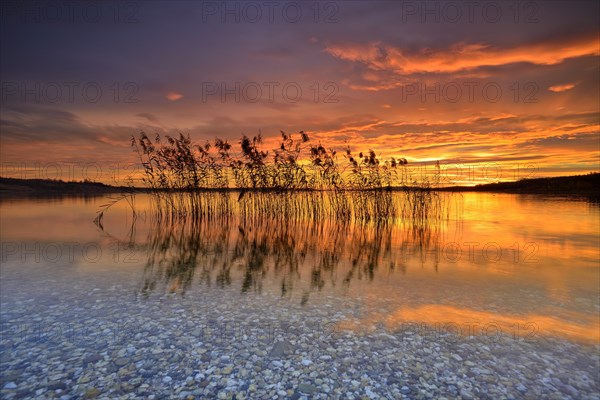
{"x": 505, "y": 259}
{"x": 523, "y": 267}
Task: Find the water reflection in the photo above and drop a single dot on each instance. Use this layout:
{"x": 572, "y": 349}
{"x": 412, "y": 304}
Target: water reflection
{"x": 472, "y": 259}
{"x": 502, "y": 259}
{"x": 292, "y": 253}
{"x": 472, "y": 322}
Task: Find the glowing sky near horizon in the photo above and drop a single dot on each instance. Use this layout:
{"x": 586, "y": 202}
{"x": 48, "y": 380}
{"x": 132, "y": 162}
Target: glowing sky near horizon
{"x": 508, "y": 87}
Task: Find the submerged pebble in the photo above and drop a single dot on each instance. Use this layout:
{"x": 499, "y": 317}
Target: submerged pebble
{"x": 220, "y": 344}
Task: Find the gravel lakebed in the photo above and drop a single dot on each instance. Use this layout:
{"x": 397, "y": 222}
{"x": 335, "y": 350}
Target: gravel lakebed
{"x": 217, "y": 343}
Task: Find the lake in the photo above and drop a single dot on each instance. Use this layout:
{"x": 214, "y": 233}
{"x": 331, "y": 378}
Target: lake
{"x": 497, "y": 296}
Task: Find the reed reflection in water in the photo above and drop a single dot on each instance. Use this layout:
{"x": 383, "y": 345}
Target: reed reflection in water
{"x": 285, "y": 239}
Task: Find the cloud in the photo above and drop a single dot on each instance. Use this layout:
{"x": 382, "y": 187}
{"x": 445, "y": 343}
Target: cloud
{"x": 46, "y": 135}
{"x": 148, "y": 116}
{"x": 462, "y": 56}
{"x": 551, "y": 140}
{"x": 578, "y": 141}
{"x": 545, "y": 140}
{"x": 173, "y": 96}
{"x": 562, "y": 88}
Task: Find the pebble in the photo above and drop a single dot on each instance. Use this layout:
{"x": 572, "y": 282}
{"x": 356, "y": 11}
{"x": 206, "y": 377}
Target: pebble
{"x": 282, "y": 349}
{"x": 306, "y": 388}
{"x": 121, "y": 361}
{"x": 277, "y": 353}
{"x": 466, "y": 395}
{"x": 521, "y": 388}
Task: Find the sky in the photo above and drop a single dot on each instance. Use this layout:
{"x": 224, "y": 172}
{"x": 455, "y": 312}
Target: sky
{"x": 493, "y": 90}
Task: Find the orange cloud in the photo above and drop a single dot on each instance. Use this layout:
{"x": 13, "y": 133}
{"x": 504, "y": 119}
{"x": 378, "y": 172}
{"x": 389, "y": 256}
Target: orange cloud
{"x": 173, "y": 96}
{"x": 463, "y": 56}
{"x": 562, "y": 88}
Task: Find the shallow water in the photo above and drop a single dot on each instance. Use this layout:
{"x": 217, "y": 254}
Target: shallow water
{"x": 491, "y": 271}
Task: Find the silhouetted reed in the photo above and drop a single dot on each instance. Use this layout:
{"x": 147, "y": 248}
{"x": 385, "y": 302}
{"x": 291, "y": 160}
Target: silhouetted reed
{"x": 301, "y": 212}
{"x": 295, "y": 180}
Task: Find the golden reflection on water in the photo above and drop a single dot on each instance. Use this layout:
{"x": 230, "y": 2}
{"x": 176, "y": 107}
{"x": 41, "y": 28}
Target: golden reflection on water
{"x": 504, "y": 259}
{"x": 470, "y": 322}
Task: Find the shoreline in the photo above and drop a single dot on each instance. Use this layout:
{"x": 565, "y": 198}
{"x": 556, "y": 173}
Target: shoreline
{"x": 578, "y": 185}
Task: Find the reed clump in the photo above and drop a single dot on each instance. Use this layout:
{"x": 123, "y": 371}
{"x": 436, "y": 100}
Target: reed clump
{"x": 297, "y": 179}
